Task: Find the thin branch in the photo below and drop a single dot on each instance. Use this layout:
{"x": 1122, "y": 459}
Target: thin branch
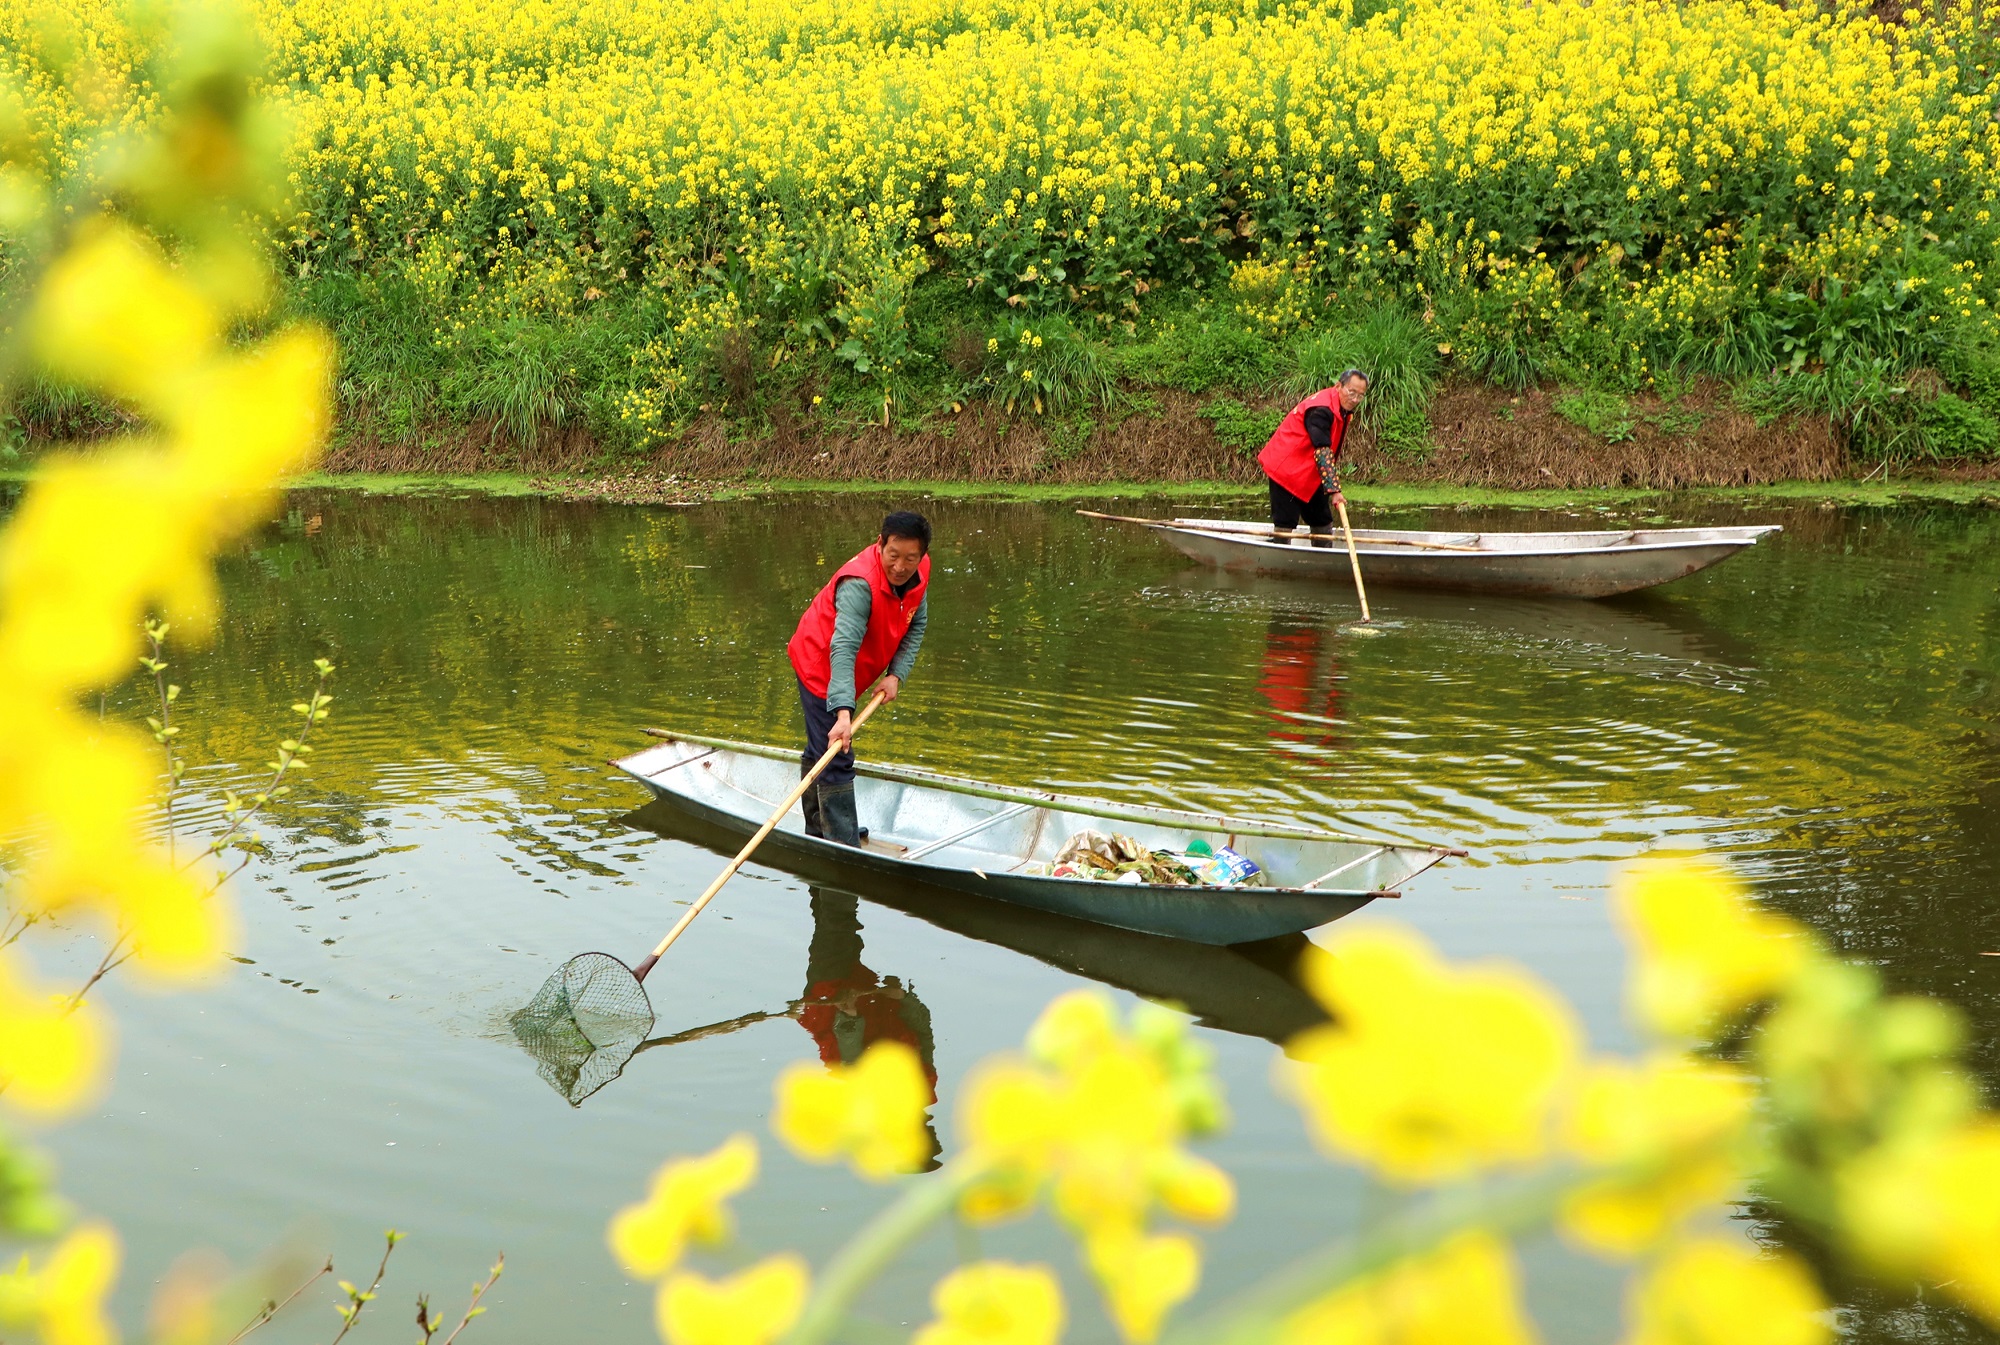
{"x": 473, "y": 1309}
{"x": 12, "y": 933}
{"x": 116, "y": 956}
{"x": 163, "y": 728}
{"x": 357, "y": 1299}
{"x": 312, "y": 711}
{"x": 272, "y": 1308}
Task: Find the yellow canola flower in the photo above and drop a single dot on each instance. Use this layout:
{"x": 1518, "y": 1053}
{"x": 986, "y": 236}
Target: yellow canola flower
{"x": 1711, "y": 1291}
{"x": 1702, "y": 950}
{"x": 1429, "y": 1072}
{"x": 1669, "y": 1129}
{"x": 64, "y": 1300}
{"x": 1932, "y": 1208}
{"x": 1466, "y": 1292}
{"x": 871, "y": 1112}
{"x": 101, "y": 542}
{"x": 1012, "y": 1117}
{"x": 685, "y": 1205}
{"x": 752, "y": 1307}
{"x": 1143, "y": 1276}
{"x": 1097, "y": 1113}
{"x": 995, "y": 1303}
{"x": 110, "y": 315}
{"x": 1075, "y": 1027}
{"x": 51, "y": 1052}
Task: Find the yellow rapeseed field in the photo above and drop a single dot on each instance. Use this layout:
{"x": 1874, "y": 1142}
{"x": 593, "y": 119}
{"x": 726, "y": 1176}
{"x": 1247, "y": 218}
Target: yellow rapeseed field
{"x": 796, "y": 168}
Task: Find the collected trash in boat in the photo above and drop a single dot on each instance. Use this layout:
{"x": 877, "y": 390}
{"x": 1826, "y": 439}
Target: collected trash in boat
{"x": 1120, "y": 859}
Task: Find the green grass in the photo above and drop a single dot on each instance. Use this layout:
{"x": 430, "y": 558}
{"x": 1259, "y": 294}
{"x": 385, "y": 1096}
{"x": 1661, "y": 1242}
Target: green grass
{"x": 1381, "y": 496}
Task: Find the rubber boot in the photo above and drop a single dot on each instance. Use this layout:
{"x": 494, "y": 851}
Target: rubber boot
{"x": 1321, "y": 537}
{"x": 837, "y": 816}
{"x": 809, "y": 804}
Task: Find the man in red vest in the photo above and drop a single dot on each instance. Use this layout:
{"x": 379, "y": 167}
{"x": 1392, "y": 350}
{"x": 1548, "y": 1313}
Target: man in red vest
{"x": 1300, "y": 456}
{"x": 867, "y": 623}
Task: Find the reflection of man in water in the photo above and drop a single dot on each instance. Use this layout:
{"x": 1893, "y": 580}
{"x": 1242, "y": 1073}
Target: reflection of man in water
{"x": 1291, "y": 682}
{"x": 848, "y": 1008}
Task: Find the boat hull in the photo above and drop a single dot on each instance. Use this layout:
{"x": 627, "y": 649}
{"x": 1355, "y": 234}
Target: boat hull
{"x": 1252, "y": 989}
{"x": 998, "y": 843}
{"x": 1583, "y": 565}
{"x": 1209, "y": 915}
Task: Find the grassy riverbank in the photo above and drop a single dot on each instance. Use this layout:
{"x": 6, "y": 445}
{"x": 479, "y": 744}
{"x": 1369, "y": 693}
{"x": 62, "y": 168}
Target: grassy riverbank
{"x": 639, "y": 489}
{"x": 505, "y": 485}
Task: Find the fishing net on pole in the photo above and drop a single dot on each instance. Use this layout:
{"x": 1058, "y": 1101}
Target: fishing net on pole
{"x": 584, "y": 1024}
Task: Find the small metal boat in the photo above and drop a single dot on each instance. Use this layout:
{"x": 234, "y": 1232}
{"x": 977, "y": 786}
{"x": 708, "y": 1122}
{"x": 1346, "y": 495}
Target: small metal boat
{"x": 987, "y": 841}
{"x": 1247, "y": 988}
{"x": 1540, "y": 564}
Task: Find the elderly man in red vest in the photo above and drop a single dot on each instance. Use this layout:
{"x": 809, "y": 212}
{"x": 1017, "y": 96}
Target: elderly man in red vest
{"x": 1300, "y": 457}
{"x": 867, "y": 623}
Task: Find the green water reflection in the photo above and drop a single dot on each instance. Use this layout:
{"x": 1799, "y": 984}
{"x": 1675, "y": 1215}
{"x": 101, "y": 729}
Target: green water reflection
{"x": 1822, "y": 709}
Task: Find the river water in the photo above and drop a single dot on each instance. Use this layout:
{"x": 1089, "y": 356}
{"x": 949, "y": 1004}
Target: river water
{"x": 1821, "y": 710}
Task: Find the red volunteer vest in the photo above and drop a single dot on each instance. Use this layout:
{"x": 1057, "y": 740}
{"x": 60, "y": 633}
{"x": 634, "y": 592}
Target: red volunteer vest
{"x": 888, "y": 619}
{"x": 1288, "y": 458}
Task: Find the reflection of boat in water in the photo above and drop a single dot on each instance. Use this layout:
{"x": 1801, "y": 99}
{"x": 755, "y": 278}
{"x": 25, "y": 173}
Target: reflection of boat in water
{"x": 985, "y": 840}
{"x": 1552, "y": 564}
{"x": 847, "y": 1007}
{"x": 1247, "y": 989}
{"x": 1645, "y": 626}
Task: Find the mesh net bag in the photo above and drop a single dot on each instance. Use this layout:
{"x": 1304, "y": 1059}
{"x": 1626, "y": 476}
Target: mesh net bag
{"x": 584, "y": 1024}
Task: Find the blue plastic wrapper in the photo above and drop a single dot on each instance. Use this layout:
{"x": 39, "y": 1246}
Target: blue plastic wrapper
{"x": 1224, "y": 868}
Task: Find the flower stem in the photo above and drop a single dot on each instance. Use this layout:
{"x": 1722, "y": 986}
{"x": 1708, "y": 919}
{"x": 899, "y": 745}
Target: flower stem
{"x": 880, "y": 1241}
{"x": 1254, "y": 1314}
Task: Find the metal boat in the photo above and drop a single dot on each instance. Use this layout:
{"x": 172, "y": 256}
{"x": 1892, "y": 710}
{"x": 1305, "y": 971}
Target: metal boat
{"x": 1539, "y": 564}
{"x": 988, "y": 841}
{"x": 1248, "y": 988}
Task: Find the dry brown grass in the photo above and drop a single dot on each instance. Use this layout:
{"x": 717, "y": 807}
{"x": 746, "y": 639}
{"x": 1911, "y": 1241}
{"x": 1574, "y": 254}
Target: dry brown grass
{"x": 1487, "y": 437}
{"x": 1484, "y": 437}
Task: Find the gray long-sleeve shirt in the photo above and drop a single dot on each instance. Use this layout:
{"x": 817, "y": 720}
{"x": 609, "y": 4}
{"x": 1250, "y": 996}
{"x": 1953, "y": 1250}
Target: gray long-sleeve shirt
{"x": 852, "y": 603}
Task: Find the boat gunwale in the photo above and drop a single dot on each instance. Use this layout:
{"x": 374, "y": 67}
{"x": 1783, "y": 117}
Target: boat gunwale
{"x": 994, "y": 886}
{"x": 1394, "y": 551}
{"x": 1122, "y": 812}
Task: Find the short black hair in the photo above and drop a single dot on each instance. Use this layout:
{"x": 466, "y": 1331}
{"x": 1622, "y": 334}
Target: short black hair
{"x": 1361, "y": 374}
{"x": 904, "y": 523}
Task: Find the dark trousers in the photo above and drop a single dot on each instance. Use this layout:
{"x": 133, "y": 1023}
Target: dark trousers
{"x": 829, "y": 803}
{"x": 1288, "y": 510}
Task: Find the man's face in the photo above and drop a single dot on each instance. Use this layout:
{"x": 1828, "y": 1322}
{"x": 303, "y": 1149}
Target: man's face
{"x": 1351, "y": 393}
{"x": 899, "y": 558}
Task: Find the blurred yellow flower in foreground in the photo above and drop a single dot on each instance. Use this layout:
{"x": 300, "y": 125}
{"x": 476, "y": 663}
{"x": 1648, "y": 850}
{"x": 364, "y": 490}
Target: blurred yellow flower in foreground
{"x": 1429, "y": 1072}
{"x": 685, "y": 1205}
{"x": 1670, "y": 1125}
{"x": 64, "y": 1300}
{"x": 110, "y": 315}
{"x": 1466, "y": 1292}
{"x": 1933, "y": 1207}
{"x": 995, "y": 1303}
{"x": 871, "y": 1112}
{"x": 1099, "y": 1113}
{"x": 1011, "y": 1115}
{"x": 97, "y": 545}
{"x": 1711, "y": 1291}
{"x": 753, "y": 1307}
{"x": 1702, "y": 950}
{"x": 51, "y": 1052}
{"x": 1143, "y": 1276}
